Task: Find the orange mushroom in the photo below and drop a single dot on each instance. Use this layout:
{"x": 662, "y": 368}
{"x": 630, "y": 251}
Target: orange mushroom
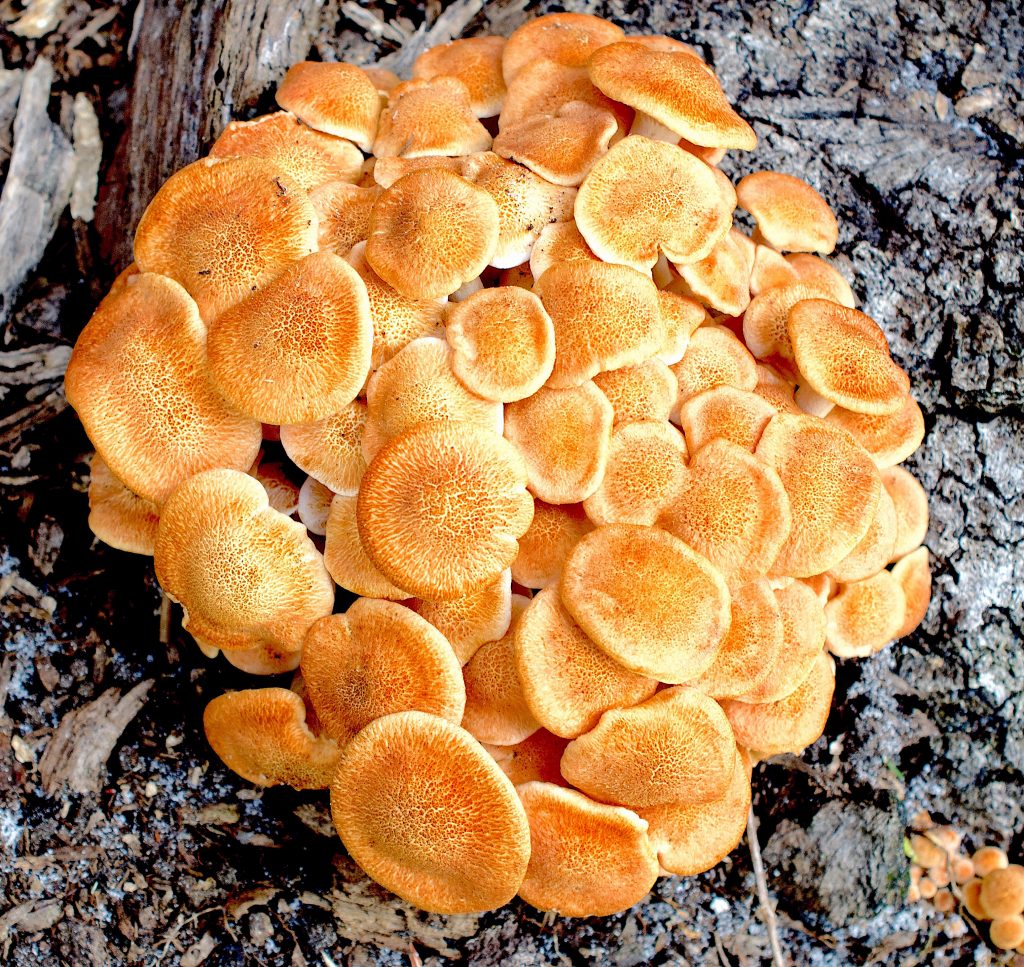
{"x": 117, "y": 516}
{"x": 339, "y": 99}
{"x": 791, "y": 216}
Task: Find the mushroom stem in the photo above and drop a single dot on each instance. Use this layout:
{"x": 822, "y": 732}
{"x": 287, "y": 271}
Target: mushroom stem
{"x": 648, "y": 127}
{"x": 767, "y": 908}
{"x": 813, "y": 403}
{"x": 662, "y": 273}
{"x": 165, "y": 618}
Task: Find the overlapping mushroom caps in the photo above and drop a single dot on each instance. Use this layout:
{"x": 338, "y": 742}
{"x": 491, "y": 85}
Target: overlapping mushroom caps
{"x": 609, "y": 479}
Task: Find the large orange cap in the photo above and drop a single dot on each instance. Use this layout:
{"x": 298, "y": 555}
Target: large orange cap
{"x": 425, "y": 118}
{"x": 138, "y": 379}
{"x": 586, "y": 859}
{"x": 646, "y": 197}
{"x": 330, "y": 449}
{"x": 667, "y": 621}
{"x": 565, "y": 38}
{"x": 346, "y": 558}
{"x": 117, "y": 516}
{"x": 552, "y": 533}
{"x": 223, "y": 228}
{"x": 338, "y": 99}
{"x": 725, "y": 412}
{"x": 427, "y": 813}
{"x": 865, "y": 616}
{"x": 476, "y": 61}
{"x": 343, "y": 214}
{"x": 889, "y": 439}
{"x": 791, "y": 216}
{"x": 647, "y": 391}
{"x": 245, "y": 574}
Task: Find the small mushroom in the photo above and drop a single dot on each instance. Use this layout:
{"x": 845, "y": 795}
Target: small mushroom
{"x": 1007, "y": 933}
{"x": 791, "y": 216}
{"x": 552, "y": 534}
{"x": 865, "y": 616}
{"x": 477, "y": 62}
{"x": 714, "y": 357}
{"x": 535, "y": 759}
{"x": 988, "y": 858}
{"x": 346, "y": 558}
{"x": 314, "y": 506}
{"x": 1002, "y": 892}
{"x": 562, "y": 38}
{"x": 339, "y": 99}
{"x": 725, "y": 412}
{"x": 721, "y": 280}
{"x": 889, "y": 439}
{"x": 330, "y": 449}
{"x": 343, "y": 214}
{"x": 682, "y": 317}
{"x": 875, "y": 549}
{"x": 559, "y": 242}
{"x": 910, "y": 503}
{"x": 914, "y": 577}
{"x": 647, "y": 391}
{"x": 117, "y": 516}
{"x": 473, "y": 619}
{"x": 811, "y": 268}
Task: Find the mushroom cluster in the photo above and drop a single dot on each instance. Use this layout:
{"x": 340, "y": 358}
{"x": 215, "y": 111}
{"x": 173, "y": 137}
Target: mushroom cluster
{"x": 609, "y": 479}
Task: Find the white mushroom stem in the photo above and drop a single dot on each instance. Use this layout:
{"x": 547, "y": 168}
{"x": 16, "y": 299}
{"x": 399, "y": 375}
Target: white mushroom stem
{"x": 662, "y": 272}
{"x": 813, "y": 403}
{"x": 467, "y": 289}
{"x": 648, "y": 127}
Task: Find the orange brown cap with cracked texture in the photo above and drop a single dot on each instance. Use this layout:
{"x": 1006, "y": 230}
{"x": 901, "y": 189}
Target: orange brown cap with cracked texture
{"x": 552, "y": 533}
{"x": 791, "y": 216}
{"x": 910, "y": 503}
{"x": 427, "y": 118}
{"x": 765, "y": 321}
{"x": 559, "y": 242}
{"x": 535, "y": 759}
{"x": 715, "y": 357}
{"x": 386, "y": 171}
{"x": 565, "y": 38}
{"x": 339, "y": 99}
{"x": 721, "y": 281}
{"x": 889, "y": 439}
{"x": 874, "y": 550}
{"x": 865, "y": 616}
{"x": 427, "y": 813}
{"x": 914, "y": 576}
{"x": 667, "y": 621}
{"x": 725, "y": 412}
{"x": 476, "y": 61}
{"x": 811, "y": 268}
{"x": 346, "y": 558}
{"x": 330, "y": 449}
{"x": 647, "y": 391}
{"x": 265, "y": 660}
{"x": 586, "y": 859}
{"x": 682, "y": 317}
{"x": 770, "y": 269}
{"x": 117, "y": 516}
{"x": 343, "y": 214}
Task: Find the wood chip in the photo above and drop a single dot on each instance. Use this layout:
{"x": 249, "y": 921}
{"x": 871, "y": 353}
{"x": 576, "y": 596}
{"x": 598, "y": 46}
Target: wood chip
{"x": 88, "y": 152}
{"x": 31, "y": 917}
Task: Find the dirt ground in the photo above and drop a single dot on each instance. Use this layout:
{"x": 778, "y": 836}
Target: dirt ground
{"x": 123, "y": 842}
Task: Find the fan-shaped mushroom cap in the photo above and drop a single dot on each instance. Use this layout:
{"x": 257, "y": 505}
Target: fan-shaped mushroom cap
{"x": 138, "y": 381}
{"x": 503, "y": 343}
{"x": 117, "y": 516}
{"x": 791, "y": 216}
{"x": 441, "y": 508}
{"x": 910, "y": 503}
{"x": 346, "y": 558}
{"x": 675, "y": 747}
{"x": 715, "y": 357}
{"x": 676, "y": 89}
{"x": 427, "y": 813}
{"x": 261, "y": 733}
{"x": 844, "y": 357}
{"x": 378, "y": 658}
{"x": 682, "y": 317}
{"x": 690, "y": 838}
{"x": 722, "y": 279}
{"x": 647, "y": 391}
{"x": 282, "y": 491}
{"x": 645, "y": 197}
{"x": 771, "y": 269}
{"x": 889, "y": 439}
{"x": 865, "y": 615}
{"x": 605, "y": 317}
{"x": 667, "y": 621}
{"x": 874, "y": 550}
{"x": 776, "y": 390}
{"x": 431, "y": 232}
{"x": 386, "y": 171}
{"x": 535, "y": 759}
{"x": 586, "y": 859}
{"x": 339, "y": 99}
{"x": 732, "y": 509}
{"x": 1007, "y": 933}
{"x": 315, "y": 506}
{"x": 914, "y": 576}
{"x": 343, "y": 214}
{"x": 476, "y": 61}
{"x": 298, "y": 349}
{"x": 811, "y": 268}
{"x": 791, "y": 724}
{"x": 473, "y": 619}
{"x": 561, "y": 147}
{"x": 552, "y": 533}
{"x": 765, "y": 322}
{"x": 1002, "y": 892}
{"x": 568, "y": 682}
{"x": 559, "y": 242}
{"x": 725, "y": 412}
{"x": 496, "y": 709}
{"x": 646, "y": 467}
{"x": 330, "y": 449}
{"x": 222, "y": 227}
{"x": 565, "y": 38}
{"x": 750, "y": 648}
{"x": 245, "y": 574}
{"x": 833, "y": 490}
{"x": 564, "y": 437}
{"x": 310, "y": 157}
{"x": 419, "y": 384}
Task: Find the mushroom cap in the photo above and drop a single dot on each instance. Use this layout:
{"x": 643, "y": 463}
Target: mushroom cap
{"x": 721, "y": 280}
{"x": 791, "y": 216}
{"x": 605, "y": 317}
{"x": 137, "y": 378}
{"x": 441, "y": 508}
{"x": 534, "y": 759}
{"x": 339, "y": 99}
{"x": 315, "y": 506}
{"x": 914, "y": 576}
{"x": 888, "y": 439}
{"x": 970, "y": 893}
{"x": 675, "y": 747}
{"x": 563, "y": 436}
{"x": 496, "y": 708}
{"x": 265, "y": 660}
{"x": 765, "y": 321}
{"x": 476, "y": 61}
{"x": 776, "y": 390}
{"x": 811, "y": 268}
{"x": 343, "y": 214}
{"x": 261, "y": 733}
{"x": 772, "y": 269}
{"x": 843, "y": 356}
{"x": 752, "y": 645}
{"x": 910, "y": 503}
{"x": 330, "y": 450}
{"x": 586, "y": 859}
{"x": 346, "y": 558}
{"x": 645, "y": 197}
{"x": 378, "y": 658}
{"x": 690, "y": 838}
{"x": 503, "y": 343}
{"x": 724, "y": 412}
{"x": 473, "y": 619}
{"x": 559, "y": 242}
{"x": 646, "y": 391}
{"x": 874, "y": 550}
{"x": 646, "y": 467}
{"x": 564, "y": 38}
{"x": 833, "y": 488}
{"x": 386, "y": 171}
{"x": 311, "y": 158}
{"x": 567, "y": 681}
{"x": 732, "y": 509}
{"x": 298, "y": 349}
{"x": 430, "y": 232}
{"x": 552, "y": 533}
{"x": 282, "y": 491}
{"x": 682, "y": 317}
{"x": 117, "y": 516}
{"x": 791, "y": 724}
{"x": 560, "y": 147}
{"x": 224, "y": 227}
{"x": 427, "y": 813}
{"x": 714, "y": 357}
{"x": 245, "y": 574}
{"x": 1002, "y": 892}
{"x": 676, "y": 89}
{"x": 667, "y": 621}
{"x": 383, "y": 79}
{"x": 986, "y": 859}
{"x": 418, "y": 384}
{"x": 1007, "y": 933}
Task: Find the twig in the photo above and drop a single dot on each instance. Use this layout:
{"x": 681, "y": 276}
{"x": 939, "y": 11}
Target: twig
{"x": 165, "y": 618}
{"x": 767, "y": 909}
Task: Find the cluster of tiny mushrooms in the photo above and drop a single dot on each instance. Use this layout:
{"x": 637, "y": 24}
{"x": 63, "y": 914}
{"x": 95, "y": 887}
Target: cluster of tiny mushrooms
{"x": 611, "y": 479}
